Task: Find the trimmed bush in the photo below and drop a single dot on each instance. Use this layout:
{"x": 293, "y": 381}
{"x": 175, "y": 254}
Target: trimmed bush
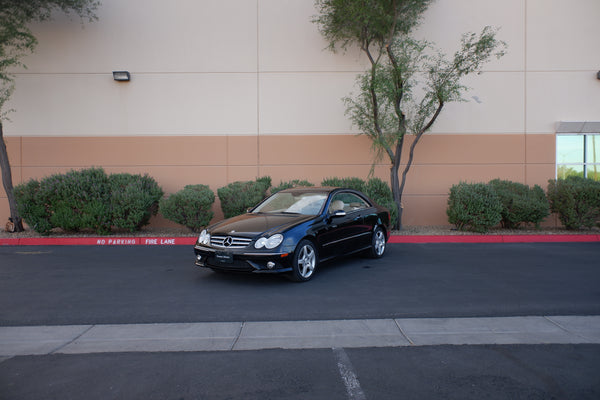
{"x": 380, "y": 193}
{"x": 237, "y": 197}
{"x": 134, "y": 199}
{"x": 88, "y": 199}
{"x": 191, "y": 207}
{"x": 520, "y": 203}
{"x": 376, "y": 189}
{"x": 291, "y": 184}
{"x": 77, "y": 199}
{"x": 351, "y": 183}
{"x": 474, "y": 206}
{"x": 33, "y": 206}
{"x": 576, "y": 200}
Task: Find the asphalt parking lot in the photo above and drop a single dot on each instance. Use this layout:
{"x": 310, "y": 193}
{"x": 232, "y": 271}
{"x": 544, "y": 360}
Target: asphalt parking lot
{"x": 464, "y": 290}
{"x": 66, "y": 285}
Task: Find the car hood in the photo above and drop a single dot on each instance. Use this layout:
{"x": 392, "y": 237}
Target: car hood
{"x": 255, "y": 224}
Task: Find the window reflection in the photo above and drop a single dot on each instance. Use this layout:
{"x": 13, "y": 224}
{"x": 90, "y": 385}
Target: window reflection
{"x": 564, "y": 171}
{"x": 578, "y": 155}
{"x": 592, "y": 149}
{"x": 569, "y": 149}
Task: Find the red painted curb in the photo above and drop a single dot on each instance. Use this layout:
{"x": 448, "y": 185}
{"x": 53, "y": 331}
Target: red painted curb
{"x": 493, "y": 238}
{"x": 100, "y": 241}
{"x": 188, "y": 241}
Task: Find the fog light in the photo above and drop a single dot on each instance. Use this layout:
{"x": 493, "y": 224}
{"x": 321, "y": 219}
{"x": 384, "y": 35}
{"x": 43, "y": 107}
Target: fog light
{"x": 198, "y": 257}
{"x": 270, "y": 265}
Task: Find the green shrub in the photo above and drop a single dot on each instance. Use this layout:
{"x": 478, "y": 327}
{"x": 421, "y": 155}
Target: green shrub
{"x": 87, "y": 199}
{"x": 134, "y": 199}
{"x": 33, "y": 206}
{"x": 351, "y": 183}
{"x": 576, "y": 200}
{"x": 474, "y": 206}
{"x": 380, "y": 193}
{"x": 376, "y": 189}
{"x": 520, "y": 203}
{"x": 291, "y": 184}
{"x": 237, "y": 197}
{"x": 78, "y": 199}
{"x": 190, "y": 207}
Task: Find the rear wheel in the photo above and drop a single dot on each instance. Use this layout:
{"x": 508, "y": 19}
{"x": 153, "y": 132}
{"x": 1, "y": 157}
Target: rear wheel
{"x": 377, "y": 243}
{"x": 305, "y": 261}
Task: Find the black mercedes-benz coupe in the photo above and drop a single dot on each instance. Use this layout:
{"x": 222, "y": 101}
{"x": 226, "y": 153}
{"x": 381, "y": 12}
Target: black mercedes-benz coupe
{"x": 294, "y": 230}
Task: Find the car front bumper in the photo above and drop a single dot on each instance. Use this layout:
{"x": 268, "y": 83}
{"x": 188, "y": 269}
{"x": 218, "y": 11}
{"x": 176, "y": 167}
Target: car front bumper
{"x": 242, "y": 260}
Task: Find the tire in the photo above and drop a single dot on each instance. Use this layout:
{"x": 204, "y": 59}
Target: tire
{"x": 305, "y": 261}
{"x": 377, "y": 243}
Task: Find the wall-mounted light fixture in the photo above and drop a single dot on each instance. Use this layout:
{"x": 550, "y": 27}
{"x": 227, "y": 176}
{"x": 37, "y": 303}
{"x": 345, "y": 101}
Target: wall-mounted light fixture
{"x": 121, "y": 76}
{"x": 598, "y": 76}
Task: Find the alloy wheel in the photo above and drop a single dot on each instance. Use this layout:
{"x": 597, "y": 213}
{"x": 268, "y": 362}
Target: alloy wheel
{"x": 306, "y": 261}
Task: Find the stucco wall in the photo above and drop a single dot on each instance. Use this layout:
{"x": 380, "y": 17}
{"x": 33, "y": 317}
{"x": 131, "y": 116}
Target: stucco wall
{"x": 222, "y": 91}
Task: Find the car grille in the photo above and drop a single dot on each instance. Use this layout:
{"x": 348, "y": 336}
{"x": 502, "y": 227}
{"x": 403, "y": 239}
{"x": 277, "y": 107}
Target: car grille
{"x": 229, "y": 242}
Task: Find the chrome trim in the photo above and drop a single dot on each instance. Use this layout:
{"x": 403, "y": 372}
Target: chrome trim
{"x": 348, "y": 238}
{"x": 261, "y": 254}
{"x": 229, "y": 242}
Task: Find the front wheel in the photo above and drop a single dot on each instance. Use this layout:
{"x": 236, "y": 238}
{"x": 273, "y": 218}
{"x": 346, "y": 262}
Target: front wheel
{"x": 305, "y": 261}
{"x": 377, "y": 243}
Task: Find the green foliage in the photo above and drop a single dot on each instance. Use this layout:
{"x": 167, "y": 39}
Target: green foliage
{"x": 380, "y": 193}
{"x": 237, "y": 197}
{"x": 134, "y": 199}
{"x": 32, "y": 206}
{"x": 520, "y": 203}
{"x": 78, "y": 200}
{"x": 409, "y": 81}
{"x": 576, "y": 200}
{"x": 350, "y": 183}
{"x": 88, "y": 199}
{"x": 191, "y": 206}
{"x": 474, "y": 206}
{"x": 16, "y": 41}
{"x": 376, "y": 189}
{"x": 363, "y": 22}
{"x": 291, "y": 184}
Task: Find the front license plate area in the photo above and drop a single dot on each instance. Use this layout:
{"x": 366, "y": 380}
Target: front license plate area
{"x": 224, "y": 257}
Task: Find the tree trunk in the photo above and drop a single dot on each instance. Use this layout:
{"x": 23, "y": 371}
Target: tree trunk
{"x": 8, "y": 185}
{"x": 397, "y": 195}
{"x": 395, "y": 182}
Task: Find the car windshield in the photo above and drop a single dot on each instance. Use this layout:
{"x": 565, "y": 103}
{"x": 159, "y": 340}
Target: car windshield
{"x": 309, "y": 203}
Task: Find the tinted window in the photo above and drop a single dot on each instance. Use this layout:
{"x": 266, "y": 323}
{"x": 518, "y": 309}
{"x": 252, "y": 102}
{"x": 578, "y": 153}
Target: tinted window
{"x": 347, "y": 202}
{"x": 309, "y": 203}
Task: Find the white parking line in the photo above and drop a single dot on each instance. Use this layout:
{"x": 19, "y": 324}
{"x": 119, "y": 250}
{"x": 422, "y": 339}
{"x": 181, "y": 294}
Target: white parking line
{"x": 348, "y": 375}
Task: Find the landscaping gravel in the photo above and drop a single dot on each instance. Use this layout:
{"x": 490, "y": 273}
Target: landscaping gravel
{"x": 152, "y": 231}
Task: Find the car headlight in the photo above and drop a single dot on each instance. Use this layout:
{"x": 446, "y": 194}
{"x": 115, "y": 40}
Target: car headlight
{"x": 204, "y": 237}
{"x": 269, "y": 243}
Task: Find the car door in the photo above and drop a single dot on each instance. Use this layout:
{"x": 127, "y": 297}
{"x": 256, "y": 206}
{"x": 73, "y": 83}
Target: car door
{"x": 345, "y": 231}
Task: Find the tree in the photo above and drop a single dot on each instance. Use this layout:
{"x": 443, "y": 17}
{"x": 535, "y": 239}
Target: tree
{"x": 16, "y": 41}
{"x": 408, "y": 81}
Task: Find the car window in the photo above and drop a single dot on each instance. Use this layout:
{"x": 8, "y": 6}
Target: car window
{"x": 347, "y": 202}
{"x": 296, "y": 203}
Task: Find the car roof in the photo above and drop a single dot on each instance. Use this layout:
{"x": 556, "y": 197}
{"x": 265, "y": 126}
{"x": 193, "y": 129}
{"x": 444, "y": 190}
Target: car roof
{"x": 305, "y": 189}
{"x": 321, "y": 189}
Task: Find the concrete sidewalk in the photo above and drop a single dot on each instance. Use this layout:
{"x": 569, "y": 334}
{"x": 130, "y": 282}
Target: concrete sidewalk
{"x": 232, "y": 336}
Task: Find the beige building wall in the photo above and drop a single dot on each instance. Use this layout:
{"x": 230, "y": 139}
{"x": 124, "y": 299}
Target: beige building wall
{"x": 225, "y": 91}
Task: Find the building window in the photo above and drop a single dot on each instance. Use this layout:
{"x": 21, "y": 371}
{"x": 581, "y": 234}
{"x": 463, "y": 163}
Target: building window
{"x": 578, "y": 155}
